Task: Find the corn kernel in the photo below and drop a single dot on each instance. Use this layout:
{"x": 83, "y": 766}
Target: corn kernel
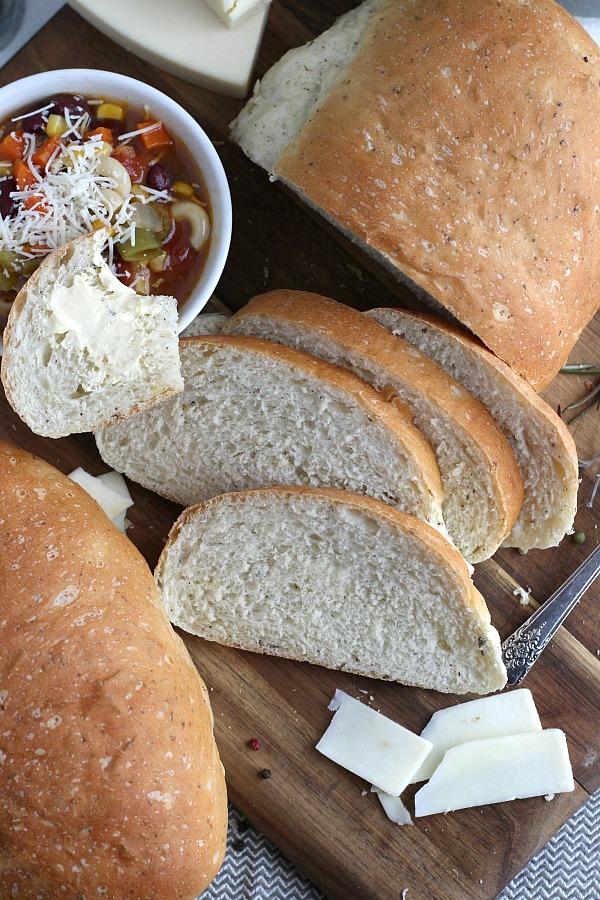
{"x": 97, "y": 224}
{"x": 180, "y": 187}
{"x": 56, "y": 125}
{"x": 110, "y": 111}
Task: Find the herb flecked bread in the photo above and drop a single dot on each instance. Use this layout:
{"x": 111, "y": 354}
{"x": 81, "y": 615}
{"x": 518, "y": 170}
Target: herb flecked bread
{"x": 542, "y": 443}
{"x": 455, "y": 141}
{"x": 255, "y": 414}
{"x": 81, "y": 349}
{"x": 332, "y": 578}
{"x": 110, "y": 780}
{"x": 483, "y": 489}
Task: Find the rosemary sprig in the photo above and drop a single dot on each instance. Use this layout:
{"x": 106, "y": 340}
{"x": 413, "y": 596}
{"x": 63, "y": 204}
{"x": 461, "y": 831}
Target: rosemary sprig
{"x": 580, "y": 369}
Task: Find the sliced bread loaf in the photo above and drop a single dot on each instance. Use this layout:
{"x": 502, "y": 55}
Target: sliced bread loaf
{"x": 542, "y": 444}
{"x": 254, "y": 414}
{"x": 455, "y": 147}
{"x": 332, "y": 578}
{"x": 481, "y": 480}
{"x": 81, "y": 349}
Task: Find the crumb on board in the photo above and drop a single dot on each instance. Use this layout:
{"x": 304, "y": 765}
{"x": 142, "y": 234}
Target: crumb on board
{"x": 523, "y": 595}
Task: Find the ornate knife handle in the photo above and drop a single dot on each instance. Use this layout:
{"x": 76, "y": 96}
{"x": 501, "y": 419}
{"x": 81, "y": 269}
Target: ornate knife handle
{"x": 521, "y": 650}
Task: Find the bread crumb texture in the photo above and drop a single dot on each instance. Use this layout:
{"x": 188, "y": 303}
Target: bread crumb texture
{"x": 332, "y": 578}
{"x": 110, "y": 781}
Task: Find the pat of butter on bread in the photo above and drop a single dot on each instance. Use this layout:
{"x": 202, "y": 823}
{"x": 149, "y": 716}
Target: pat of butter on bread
{"x": 494, "y": 770}
{"x": 372, "y": 746}
{"x": 503, "y": 714}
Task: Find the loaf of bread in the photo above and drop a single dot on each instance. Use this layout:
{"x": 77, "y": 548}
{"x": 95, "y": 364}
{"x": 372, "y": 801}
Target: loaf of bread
{"x": 255, "y": 414}
{"x": 110, "y": 780}
{"x": 332, "y": 578}
{"x": 541, "y": 442}
{"x": 483, "y": 489}
{"x": 81, "y": 349}
{"x": 458, "y": 146}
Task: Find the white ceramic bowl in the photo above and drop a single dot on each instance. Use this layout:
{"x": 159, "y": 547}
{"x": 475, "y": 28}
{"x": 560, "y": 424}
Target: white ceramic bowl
{"x": 94, "y": 82}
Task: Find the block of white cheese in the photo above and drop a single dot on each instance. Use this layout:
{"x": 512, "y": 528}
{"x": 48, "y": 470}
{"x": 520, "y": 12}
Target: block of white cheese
{"x": 494, "y": 770}
{"x": 184, "y": 37}
{"x": 109, "y": 491}
{"x": 232, "y": 12}
{"x": 510, "y": 713}
{"x": 393, "y": 807}
{"x": 372, "y": 746}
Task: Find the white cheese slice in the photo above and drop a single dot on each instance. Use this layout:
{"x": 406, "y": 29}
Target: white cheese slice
{"x": 112, "y": 502}
{"x": 232, "y": 12}
{"x": 372, "y": 746}
{"x": 393, "y": 807}
{"x": 184, "y": 37}
{"x": 498, "y": 769}
{"x": 117, "y": 483}
{"x": 510, "y": 713}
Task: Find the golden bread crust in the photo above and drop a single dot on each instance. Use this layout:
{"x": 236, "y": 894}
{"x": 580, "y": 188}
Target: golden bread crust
{"x": 110, "y": 780}
{"x": 461, "y": 144}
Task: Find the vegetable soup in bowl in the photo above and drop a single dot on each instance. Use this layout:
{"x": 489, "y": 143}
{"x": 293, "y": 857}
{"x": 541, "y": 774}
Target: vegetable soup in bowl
{"x": 83, "y": 149}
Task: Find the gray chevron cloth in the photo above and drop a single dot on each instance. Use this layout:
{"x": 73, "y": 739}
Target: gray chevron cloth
{"x": 568, "y": 867}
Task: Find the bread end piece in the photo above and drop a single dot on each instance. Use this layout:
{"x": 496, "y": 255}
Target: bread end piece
{"x": 82, "y": 350}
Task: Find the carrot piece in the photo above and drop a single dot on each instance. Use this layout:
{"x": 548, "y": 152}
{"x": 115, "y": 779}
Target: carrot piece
{"x": 35, "y": 200}
{"x": 12, "y": 147}
{"x": 23, "y": 175}
{"x": 156, "y": 139}
{"x": 42, "y": 155}
{"x": 104, "y": 133}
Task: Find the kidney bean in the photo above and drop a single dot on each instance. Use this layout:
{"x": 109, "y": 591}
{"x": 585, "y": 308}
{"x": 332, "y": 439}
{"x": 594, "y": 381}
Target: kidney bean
{"x": 158, "y": 178}
{"x": 34, "y": 124}
{"x": 75, "y": 105}
{"x": 7, "y": 204}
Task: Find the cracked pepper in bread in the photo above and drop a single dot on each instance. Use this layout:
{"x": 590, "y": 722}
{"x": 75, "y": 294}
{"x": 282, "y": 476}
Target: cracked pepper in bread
{"x": 455, "y": 140}
{"x": 110, "y": 780}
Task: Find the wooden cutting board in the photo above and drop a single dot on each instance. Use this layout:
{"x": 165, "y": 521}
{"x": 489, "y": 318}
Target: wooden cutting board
{"x": 313, "y": 810}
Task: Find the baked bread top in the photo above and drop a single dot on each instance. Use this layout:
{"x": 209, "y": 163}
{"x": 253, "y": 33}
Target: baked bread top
{"x": 458, "y": 139}
{"x": 110, "y": 780}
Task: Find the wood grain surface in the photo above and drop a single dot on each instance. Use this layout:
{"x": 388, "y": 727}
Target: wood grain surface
{"x": 313, "y": 810}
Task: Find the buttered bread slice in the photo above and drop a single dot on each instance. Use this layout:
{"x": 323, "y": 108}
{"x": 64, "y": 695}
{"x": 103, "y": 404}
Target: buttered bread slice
{"x": 81, "y": 349}
{"x": 483, "y": 489}
{"x": 255, "y": 414}
{"x": 332, "y": 578}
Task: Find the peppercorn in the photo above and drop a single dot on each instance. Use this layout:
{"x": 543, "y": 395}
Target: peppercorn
{"x": 266, "y": 773}
{"x": 254, "y": 744}
{"x": 579, "y": 537}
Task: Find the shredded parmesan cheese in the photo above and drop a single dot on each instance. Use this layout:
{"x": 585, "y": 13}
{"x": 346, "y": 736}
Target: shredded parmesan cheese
{"x": 71, "y": 201}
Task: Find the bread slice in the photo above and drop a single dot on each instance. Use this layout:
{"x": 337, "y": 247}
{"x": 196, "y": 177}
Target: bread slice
{"x": 481, "y": 480}
{"x": 416, "y": 136}
{"x": 256, "y": 414}
{"x": 332, "y": 578}
{"x": 81, "y": 349}
{"x": 541, "y": 442}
